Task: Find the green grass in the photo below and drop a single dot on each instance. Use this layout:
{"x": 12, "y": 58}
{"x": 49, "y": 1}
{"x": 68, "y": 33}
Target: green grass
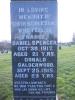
{"x": 5, "y": 77}
{"x": 65, "y": 73}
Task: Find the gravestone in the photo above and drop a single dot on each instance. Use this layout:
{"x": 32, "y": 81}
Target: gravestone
{"x": 34, "y": 49}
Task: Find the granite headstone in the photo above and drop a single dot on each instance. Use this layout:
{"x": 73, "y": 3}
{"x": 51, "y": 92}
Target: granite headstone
{"x": 34, "y": 49}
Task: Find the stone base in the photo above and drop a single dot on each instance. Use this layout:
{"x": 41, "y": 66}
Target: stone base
{"x": 56, "y": 98}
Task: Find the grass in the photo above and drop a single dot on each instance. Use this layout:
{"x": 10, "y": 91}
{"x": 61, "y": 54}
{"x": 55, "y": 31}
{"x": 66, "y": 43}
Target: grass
{"x": 65, "y": 74}
{"x": 5, "y": 77}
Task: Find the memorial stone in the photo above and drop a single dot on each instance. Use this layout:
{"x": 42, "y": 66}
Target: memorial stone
{"x": 34, "y": 49}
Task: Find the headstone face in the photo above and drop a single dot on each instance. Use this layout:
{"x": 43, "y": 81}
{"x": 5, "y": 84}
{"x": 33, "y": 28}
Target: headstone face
{"x": 34, "y": 49}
